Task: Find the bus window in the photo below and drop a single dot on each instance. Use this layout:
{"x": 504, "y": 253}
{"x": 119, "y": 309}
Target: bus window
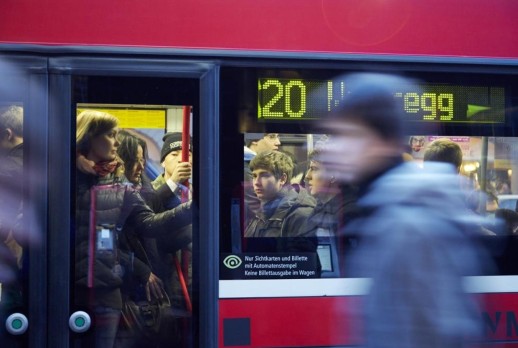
{"x": 133, "y": 200}
{"x": 14, "y": 241}
{"x": 22, "y": 182}
{"x": 279, "y": 110}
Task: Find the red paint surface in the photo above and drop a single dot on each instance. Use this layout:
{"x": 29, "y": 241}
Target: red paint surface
{"x": 295, "y": 322}
{"x": 477, "y": 28}
{"x": 329, "y": 321}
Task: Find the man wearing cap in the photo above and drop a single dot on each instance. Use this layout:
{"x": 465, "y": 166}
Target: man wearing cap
{"x": 175, "y": 178}
{"x": 176, "y": 173}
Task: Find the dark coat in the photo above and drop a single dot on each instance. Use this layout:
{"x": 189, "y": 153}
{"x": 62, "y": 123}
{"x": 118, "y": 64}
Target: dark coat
{"x": 124, "y": 208}
{"x": 332, "y": 213}
{"x": 285, "y": 216}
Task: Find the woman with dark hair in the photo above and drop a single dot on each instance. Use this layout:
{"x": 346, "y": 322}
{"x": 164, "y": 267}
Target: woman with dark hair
{"x": 105, "y": 209}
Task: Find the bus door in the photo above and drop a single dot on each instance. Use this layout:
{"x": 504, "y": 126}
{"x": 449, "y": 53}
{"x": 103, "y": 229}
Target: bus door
{"x": 23, "y": 157}
{"x": 125, "y": 203}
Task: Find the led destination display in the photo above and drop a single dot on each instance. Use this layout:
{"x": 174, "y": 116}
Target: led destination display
{"x": 300, "y": 99}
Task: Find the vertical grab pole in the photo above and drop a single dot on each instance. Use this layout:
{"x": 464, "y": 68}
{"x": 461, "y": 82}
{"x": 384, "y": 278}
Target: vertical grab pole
{"x": 184, "y": 270}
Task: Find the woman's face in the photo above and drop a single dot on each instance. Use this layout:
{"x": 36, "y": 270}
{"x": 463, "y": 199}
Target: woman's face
{"x": 135, "y": 173}
{"x": 104, "y": 146}
{"x": 317, "y": 179}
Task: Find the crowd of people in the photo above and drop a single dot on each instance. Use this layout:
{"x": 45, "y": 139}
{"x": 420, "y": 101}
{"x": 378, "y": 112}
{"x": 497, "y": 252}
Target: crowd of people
{"x": 399, "y": 218}
{"x": 330, "y": 202}
{"x": 409, "y": 227}
{"x": 138, "y": 225}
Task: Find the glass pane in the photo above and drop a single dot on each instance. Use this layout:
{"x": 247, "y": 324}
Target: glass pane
{"x": 15, "y": 212}
{"x": 20, "y": 178}
{"x": 133, "y": 236}
{"x": 286, "y": 255}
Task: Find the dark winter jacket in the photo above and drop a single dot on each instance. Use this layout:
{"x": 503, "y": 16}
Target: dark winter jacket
{"x": 285, "y": 216}
{"x": 332, "y": 213}
{"x": 122, "y": 208}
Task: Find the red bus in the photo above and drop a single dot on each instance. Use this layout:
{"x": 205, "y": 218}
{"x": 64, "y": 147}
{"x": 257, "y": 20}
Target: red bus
{"x": 234, "y": 64}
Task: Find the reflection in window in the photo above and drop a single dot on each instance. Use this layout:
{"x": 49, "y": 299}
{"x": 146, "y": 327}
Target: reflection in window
{"x": 13, "y": 235}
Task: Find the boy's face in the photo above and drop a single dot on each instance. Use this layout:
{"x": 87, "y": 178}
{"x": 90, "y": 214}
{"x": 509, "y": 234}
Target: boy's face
{"x": 266, "y": 186}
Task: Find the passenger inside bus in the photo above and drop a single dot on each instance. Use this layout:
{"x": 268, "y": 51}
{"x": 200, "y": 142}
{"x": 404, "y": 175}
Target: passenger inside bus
{"x": 336, "y": 202}
{"x": 100, "y": 266}
{"x": 255, "y": 143}
{"x": 283, "y": 211}
{"x": 157, "y": 267}
{"x": 176, "y": 178}
{"x": 445, "y": 150}
{"x": 177, "y": 174}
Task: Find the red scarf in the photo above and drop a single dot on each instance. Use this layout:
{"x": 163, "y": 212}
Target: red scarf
{"x": 105, "y": 167}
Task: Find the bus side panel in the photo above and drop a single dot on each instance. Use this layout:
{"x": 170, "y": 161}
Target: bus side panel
{"x": 500, "y": 316}
{"x": 289, "y": 322}
{"x": 329, "y": 321}
{"x": 465, "y": 28}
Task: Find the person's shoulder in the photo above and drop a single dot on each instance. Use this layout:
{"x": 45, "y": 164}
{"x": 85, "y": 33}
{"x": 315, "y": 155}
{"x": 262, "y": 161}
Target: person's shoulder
{"x": 299, "y": 197}
{"x": 159, "y": 181}
{"x": 301, "y": 203}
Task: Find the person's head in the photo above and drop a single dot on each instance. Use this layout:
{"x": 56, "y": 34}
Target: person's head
{"x": 319, "y": 181}
{"x": 96, "y": 135}
{"x": 133, "y": 152}
{"x": 491, "y": 203}
{"x": 482, "y": 202}
{"x": 171, "y": 153}
{"x": 268, "y": 142}
{"x": 416, "y": 143}
{"x": 444, "y": 150}
{"x": 11, "y": 128}
{"x": 367, "y": 128}
{"x": 270, "y": 172}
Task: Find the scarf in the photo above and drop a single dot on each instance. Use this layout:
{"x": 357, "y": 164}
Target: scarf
{"x": 105, "y": 167}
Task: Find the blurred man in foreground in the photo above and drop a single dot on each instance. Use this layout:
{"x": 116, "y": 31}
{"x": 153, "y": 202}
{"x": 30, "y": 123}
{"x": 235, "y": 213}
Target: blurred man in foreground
{"x": 411, "y": 233}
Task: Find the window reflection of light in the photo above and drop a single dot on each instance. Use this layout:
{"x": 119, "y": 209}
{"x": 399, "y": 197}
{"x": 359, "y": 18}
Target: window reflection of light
{"x": 470, "y": 167}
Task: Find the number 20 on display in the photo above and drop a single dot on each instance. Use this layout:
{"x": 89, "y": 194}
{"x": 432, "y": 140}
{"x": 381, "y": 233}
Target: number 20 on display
{"x": 283, "y": 91}
{"x": 283, "y": 97}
